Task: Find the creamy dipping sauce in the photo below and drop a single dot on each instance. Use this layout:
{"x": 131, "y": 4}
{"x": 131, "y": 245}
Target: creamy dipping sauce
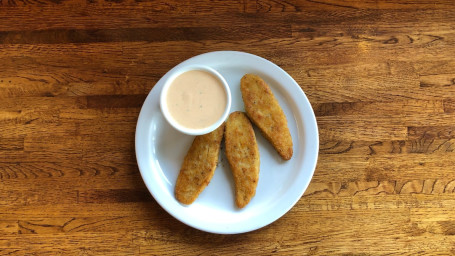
{"x": 196, "y": 99}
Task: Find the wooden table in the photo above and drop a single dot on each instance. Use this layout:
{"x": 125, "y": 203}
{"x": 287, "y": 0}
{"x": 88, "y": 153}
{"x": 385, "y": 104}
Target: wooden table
{"x": 379, "y": 74}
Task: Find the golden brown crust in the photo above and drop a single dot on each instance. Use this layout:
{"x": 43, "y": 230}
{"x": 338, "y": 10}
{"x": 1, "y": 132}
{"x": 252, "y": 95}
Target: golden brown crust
{"x": 265, "y": 112}
{"x": 198, "y": 166}
{"x": 242, "y": 153}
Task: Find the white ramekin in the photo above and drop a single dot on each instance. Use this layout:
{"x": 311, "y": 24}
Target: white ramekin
{"x": 171, "y": 120}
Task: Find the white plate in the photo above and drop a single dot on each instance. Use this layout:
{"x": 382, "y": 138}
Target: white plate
{"x": 160, "y": 151}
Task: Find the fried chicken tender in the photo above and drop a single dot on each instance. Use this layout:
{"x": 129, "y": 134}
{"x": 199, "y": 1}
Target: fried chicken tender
{"x": 242, "y": 153}
{"x": 265, "y": 112}
{"x": 198, "y": 166}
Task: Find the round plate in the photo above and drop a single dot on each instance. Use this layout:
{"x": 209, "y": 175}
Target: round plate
{"x": 160, "y": 151}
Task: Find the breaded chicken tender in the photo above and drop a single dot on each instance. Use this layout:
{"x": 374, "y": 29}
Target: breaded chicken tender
{"x": 265, "y": 112}
{"x": 243, "y": 155}
{"x": 198, "y": 166}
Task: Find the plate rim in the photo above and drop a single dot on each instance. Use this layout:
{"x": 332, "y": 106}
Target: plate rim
{"x": 309, "y": 114}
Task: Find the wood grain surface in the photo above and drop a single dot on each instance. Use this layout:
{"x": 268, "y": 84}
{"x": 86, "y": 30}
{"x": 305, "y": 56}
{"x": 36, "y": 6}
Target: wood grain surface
{"x": 379, "y": 74}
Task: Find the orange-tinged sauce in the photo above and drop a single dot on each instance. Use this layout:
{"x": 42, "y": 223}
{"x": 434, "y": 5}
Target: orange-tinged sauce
{"x": 196, "y": 99}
